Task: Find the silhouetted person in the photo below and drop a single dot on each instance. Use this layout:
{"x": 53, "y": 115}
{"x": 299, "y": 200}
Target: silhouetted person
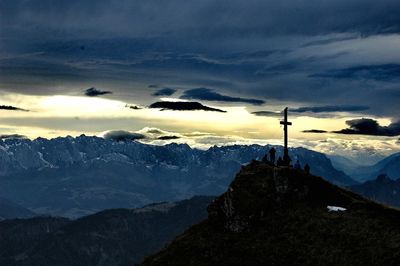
{"x": 265, "y": 159}
{"x": 279, "y": 162}
{"x": 297, "y": 165}
{"x": 272, "y": 152}
{"x": 307, "y": 168}
{"x": 286, "y": 160}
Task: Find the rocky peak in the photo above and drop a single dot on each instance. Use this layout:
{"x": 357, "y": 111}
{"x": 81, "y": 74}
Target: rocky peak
{"x": 260, "y": 189}
{"x": 282, "y": 216}
{"x": 384, "y": 178}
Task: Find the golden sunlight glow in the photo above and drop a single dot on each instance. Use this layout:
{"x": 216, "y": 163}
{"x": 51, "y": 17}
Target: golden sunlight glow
{"x": 59, "y": 115}
{"x": 79, "y": 106}
{"x": 237, "y": 120}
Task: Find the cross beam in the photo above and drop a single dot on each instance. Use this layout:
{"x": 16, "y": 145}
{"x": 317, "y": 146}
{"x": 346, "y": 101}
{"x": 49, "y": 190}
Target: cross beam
{"x": 285, "y": 124}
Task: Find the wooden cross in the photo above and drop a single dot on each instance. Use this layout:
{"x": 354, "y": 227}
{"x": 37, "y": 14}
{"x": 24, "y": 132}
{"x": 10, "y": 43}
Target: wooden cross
{"x": 286, "y": 123}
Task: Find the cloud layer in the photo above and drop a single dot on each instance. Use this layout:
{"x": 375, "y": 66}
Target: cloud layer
{"x": 367, "y": 126}
{"x": 385, "y": 72}
{"x": 330, "y": 58}
{"x": 206, "y": 94}
{"x": 329, "y": 109}
{"x": 363, "y": 151}
{"x": 164, "y": 92}
{"x": 141, "y": 18}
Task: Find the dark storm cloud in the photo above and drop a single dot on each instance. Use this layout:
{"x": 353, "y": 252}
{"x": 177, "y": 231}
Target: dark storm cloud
{"x": 12, "y": 108}
{"x": 206, "y": 94}
{"x": 367, "y": 126}
{"x": 258, "y": 49}
{"x": 164, "y": 92}
{"x": 122, "y": 135}
{"x": 199, "y": 18}
{"x": 314, "y": 131}
{"x": 168, "y": 137}
{"x": 93, "y": 92}
{"x": 13, "y": 136}
{"x": 385, "y": 72}
{"x": 329, "y": 108}
{"x": 183, "y": 106}
{"x": 133, "y": 107}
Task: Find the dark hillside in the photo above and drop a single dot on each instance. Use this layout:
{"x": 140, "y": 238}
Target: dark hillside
{"x": 279, "y": 216}
{"x": 19, "y": 236}
{"x": 111, "y": 237}
{"x": 382, "y": 189}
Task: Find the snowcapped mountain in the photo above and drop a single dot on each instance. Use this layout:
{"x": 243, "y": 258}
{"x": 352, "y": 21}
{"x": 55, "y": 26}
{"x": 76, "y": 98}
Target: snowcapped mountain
{"x": 78, "y": 176}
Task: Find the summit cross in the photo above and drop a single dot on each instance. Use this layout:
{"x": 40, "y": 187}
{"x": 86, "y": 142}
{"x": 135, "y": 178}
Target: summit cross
{"x": 286, "y": 123}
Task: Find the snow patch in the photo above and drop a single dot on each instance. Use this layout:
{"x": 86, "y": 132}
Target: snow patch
{"x": 46, "y": 163}
{"x": 335, "y": 209}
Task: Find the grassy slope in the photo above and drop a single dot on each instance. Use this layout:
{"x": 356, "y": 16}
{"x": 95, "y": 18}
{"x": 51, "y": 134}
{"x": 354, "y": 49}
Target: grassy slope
{"x": 278, "y": 216}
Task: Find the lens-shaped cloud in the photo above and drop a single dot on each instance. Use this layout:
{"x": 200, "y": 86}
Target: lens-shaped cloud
{"x": 93, "y": 92}
{"x": 206, "y": 94}
{"x": 314, "y": 131}
{"x": 122, "y": 135}
{"x": 183, "y": 106}
{"x": 12, "y": 108}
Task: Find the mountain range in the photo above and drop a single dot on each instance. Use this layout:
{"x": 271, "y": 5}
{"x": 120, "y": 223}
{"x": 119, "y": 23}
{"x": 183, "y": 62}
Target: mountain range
{"x": 112, "y": 237}
{"x": 74, "y": 177}
{"x": 271, "y": 214}
{"x": 282, "y": 216}
{"x": 389, "y": 166}
{"x": 382, "y": 189}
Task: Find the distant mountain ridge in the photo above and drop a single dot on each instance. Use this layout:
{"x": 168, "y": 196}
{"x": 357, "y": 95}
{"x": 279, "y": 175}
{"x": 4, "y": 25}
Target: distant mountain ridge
{"x": 10, "y": 210}
{"x": 390, "y": 166}
{"x": 115, "y": 237}
{"x": 73, "y": 177}
{"x": 343, "y": 163}
{"x": 382, "y": 189}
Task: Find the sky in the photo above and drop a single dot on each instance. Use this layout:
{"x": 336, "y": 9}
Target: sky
{"x": 102, "y": 67}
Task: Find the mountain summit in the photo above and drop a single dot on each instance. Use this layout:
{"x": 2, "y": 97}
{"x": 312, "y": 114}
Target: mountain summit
{"x": 282, "y": 216}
